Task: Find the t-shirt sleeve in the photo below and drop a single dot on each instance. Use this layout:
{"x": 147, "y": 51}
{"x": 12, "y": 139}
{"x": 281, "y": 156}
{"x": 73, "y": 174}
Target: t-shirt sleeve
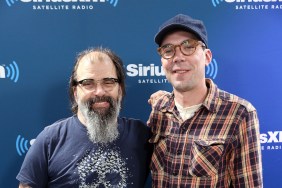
{"x": 34, "y": 170}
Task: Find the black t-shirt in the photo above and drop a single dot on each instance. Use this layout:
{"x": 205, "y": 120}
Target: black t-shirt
{"x": 63, "y": 156}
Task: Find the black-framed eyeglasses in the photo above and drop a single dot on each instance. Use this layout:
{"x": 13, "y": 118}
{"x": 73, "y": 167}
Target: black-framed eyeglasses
{"x": 107, "y": 84}
{"x": 187, "y": 47}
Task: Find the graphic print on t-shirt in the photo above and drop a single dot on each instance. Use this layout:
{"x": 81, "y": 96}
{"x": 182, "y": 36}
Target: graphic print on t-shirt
{"x": 103, "y": 167}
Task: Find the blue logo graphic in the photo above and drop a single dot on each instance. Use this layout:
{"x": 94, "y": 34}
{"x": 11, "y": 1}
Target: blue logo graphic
{"x": 21, "y": 145}
{"x": 216, "y": 2}
{"x": 10, "y": 2}
{"x": 212, "y": 69}
{"x": 113, "y": 2}
{"x": 11, "y": 71}
{"x": 2, "y": 72}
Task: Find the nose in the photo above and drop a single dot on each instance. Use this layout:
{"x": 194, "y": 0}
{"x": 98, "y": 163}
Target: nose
{"x": 98, "y": 90}
{"x": 178, "y": 55}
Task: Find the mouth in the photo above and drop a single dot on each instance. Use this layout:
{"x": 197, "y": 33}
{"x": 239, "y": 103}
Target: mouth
{"x": 101, "y": 104}
{"x": 180, "y": 71}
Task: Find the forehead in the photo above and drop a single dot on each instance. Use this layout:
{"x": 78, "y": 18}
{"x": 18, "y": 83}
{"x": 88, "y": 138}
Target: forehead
{"x": 95, "y": 65}
{"x": 177, "y": 37}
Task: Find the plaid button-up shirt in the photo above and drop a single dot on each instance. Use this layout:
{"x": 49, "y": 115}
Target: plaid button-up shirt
{"x": 218, "y": 147}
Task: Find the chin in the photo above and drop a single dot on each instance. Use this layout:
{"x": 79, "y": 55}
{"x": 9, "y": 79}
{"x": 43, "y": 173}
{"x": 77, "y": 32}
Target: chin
{"x": 182, "y": 87}
{"x": 101, "y": 110}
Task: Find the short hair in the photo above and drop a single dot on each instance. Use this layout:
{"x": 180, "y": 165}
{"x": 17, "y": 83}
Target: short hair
{"x": 116, "y": 61}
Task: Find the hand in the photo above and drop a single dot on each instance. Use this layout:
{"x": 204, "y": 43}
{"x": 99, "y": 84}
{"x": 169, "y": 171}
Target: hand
{"x": 155, "y": 96}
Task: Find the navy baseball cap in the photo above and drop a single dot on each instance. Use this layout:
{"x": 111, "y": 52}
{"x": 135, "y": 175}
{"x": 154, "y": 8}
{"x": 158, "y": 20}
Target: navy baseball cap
{"x": 184, "y": 23}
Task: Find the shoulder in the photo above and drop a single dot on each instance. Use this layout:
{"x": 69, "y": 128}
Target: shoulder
{"x": 59, "y": 127}
{"x": 62, "y": 123}
{"x": 218, "y": 98}
{"x": 236, "y": 100}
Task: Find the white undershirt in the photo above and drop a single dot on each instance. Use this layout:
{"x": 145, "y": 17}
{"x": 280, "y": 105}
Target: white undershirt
{"x": 188, "y": 112}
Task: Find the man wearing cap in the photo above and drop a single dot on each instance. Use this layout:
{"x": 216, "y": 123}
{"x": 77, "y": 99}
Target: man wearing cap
{"x": 203, "y": 136}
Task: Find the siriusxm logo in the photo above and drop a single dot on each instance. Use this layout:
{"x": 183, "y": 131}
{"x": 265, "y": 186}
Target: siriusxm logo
{"x": 151, "y": 74}
{"x": 10, "y": 2}
{"x": 250, "y": 3}
{"x": 216, "y": 2}
{"x": 22, "y": 145}
{"x": 141, "y": 70}
{"x": 10, "y": 71}
{"x": 2, "y": 72}
{"x": 271, "y": 137}
{"x": 112, "y": 2}
{"x": 271, "y": 140}
{"x": 211, "y": 69}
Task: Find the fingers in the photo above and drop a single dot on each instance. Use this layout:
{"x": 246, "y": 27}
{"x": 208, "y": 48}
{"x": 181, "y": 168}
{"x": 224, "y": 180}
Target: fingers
{"x": 150, "y": 101}
{"x": 155, "y": 96}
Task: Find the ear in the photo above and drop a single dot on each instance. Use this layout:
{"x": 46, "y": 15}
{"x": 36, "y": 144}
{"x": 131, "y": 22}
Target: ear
{"x": 208, "y": 54}
{"x": 74, "y": 89}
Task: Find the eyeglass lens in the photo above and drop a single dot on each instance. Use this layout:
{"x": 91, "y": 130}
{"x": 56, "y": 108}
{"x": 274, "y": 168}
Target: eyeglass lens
{"x": 187, "y": 47}
{"x": 107, "y": 83}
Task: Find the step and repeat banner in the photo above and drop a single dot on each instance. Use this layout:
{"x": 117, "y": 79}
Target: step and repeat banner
{"x": 39, "y": 40}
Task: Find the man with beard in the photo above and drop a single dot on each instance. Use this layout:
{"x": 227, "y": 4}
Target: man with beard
{"x": 94, "y": 147}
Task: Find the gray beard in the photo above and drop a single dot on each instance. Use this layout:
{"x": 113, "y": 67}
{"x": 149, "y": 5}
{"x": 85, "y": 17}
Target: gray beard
{"x": 102, "y": 125}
